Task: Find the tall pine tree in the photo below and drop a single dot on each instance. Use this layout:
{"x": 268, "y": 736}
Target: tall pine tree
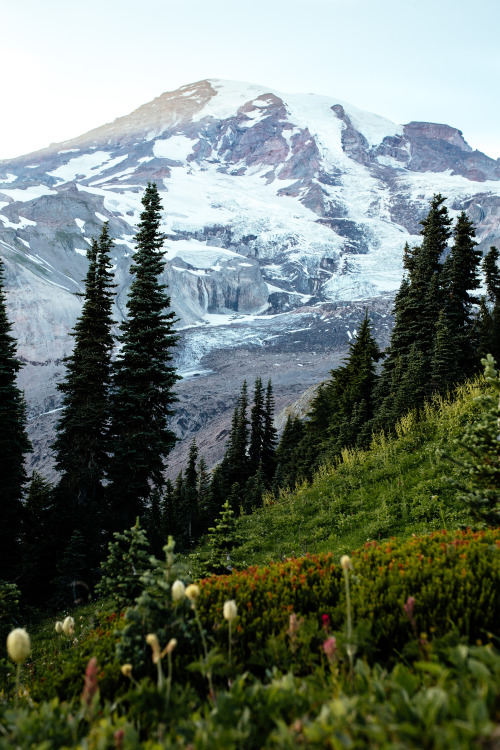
{"x": 14, "y": 445}
{"x": 81, "y": 447}
{"x": 143, "y": 381}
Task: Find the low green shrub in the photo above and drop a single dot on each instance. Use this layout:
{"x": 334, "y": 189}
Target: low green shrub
{"x": 452, "y": 578}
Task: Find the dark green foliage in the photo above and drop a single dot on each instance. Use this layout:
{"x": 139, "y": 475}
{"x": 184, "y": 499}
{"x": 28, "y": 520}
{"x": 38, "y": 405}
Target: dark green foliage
{"x": 287, "y": 454}
{"x": 445, "y": 367}
{"x": 460, "y": 279}
{"x": 342, "y": 411}
{"x": 257, "y": 417}
{"x": 9, "y": 608}
{"x": 253, "y": 491}
{"x": 128, "y": 559}
{"x": 75, "y": 576}
{"x": 81, "y": 445}
{"x": 144, "y": 377}
{"x": 482, "y": 443}
{"x": 489, "y": 320}
{"x": 155, "y": 612}
{"x": 39, "y": 552}
{"x": 14, "y": 445}
{"x": 222, "y": 538}
{"x": 270, "y": 437}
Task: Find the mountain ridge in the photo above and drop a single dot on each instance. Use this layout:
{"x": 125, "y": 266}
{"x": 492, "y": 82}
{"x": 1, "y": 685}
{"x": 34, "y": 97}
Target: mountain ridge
{"x": 278, "y": 207}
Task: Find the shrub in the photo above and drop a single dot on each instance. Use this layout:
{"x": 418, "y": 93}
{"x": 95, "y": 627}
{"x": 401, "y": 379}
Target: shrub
{"x": 453, "y": 578}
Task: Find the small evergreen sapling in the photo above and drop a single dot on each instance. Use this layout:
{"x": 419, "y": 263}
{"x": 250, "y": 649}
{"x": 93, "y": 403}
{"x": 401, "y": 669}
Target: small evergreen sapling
{"x": 481, "y": 440}
{"x": 128, "y": 558}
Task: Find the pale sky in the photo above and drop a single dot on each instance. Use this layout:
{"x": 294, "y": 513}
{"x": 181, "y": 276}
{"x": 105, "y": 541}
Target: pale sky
{"x": 70, "y": 66}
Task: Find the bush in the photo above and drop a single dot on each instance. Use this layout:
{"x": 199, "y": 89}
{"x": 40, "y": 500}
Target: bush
{"x": 453, "y": 578}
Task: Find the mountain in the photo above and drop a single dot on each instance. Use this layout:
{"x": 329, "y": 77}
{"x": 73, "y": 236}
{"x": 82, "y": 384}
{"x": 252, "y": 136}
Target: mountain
{"x": 285, "y": 215}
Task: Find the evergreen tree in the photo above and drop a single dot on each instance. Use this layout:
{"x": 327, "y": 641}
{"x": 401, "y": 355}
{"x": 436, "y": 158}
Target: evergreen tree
{"x": 206, "y": 515}
{"x": 144, "y": 377}
{"x": 81, "y": 443}
{"x": 270, "y": 437}
{"x": 416, "y": 310}
{"x": 128, "y": 558}
{"x": 14, "y": 445}
{"x": 189, "y": 510}
{"x": 460, "y": 274}
{"x": 287, "y": 451}
{"x": 222, "y": 538}
{"x": 167, "y": 513}
{"x": 235, "y": 464}
{"x": 489, "y": 323}
{"x": 253, "y": 491}
{"x": 39, "y": 553}
{"x": 445, "y": 370}
{"x": 257, "y": 418}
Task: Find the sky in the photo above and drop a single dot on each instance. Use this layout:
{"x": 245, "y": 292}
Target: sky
{"x": 68, "y": 66}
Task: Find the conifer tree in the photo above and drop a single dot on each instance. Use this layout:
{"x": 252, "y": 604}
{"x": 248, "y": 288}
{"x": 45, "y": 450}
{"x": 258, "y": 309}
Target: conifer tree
{"x": 445, "y": 369}
{"x": 222, "y": 538}
{"x": 460, "y": 277}
{"x": 144, "y": 377}
{"x": 189, "y": 506}
{"x": 39, "y": 554}
{"x": 270, "y": 437}
{"x": 14, "y": 445}
{"x": 489, "y": 323}
{"x": 205, "y": 513}
{"x": 257, "y": 418}
{"x": 81, "y": 447}
{"x": 287, "y": 453}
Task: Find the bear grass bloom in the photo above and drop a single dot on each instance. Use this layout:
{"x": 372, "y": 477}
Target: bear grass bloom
{"x": 178, "y": 591}
{"x": 58, "y": 627}
{"x": 18, "y": 645}
{"x": 230, "y": 610}
{"x": 68, "y": 626}
{"x": 192, "y": 592}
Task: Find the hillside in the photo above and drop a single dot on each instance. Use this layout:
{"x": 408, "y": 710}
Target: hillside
{"x": 398, "y": 487}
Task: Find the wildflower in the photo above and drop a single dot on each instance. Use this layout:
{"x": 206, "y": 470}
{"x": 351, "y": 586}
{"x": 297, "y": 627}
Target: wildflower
{"x": 59, "y": 627}
{"x": 126, "y": 670}
{"x": 178, "y": 591}
{"x": 119, "y": 736}
{"x": 409, "y": 607}
{"x": 345, "y": 562}
{"x": 330, "y": 648}
{"x": 230, "y": 610}
{"x": 68, "y": 626}
{"x": 169, "y": 647}
{"x": 192, "y": 592}
{"x": 293, "y": 628}
{"x": 90, "y": 687}
{"x": 152, "y": 640}
{"x": 326, "y": 622}
{"x": 18, "y": 645}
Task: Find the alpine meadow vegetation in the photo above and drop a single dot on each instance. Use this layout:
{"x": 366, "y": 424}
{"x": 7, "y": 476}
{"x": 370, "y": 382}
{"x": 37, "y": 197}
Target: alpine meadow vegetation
{"x": 335, "y": 588}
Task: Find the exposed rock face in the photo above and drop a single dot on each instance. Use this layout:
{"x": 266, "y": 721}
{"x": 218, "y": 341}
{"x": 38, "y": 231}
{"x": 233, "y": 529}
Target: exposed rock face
{"x": 272, "y": 202}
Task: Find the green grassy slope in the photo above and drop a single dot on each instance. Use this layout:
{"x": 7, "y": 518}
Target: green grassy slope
{"x": 398, "y": 487}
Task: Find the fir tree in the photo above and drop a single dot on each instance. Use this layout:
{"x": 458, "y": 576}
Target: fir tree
{"x": 270, "y": 437}
{"x": 257, "y": 417}
{"x": 460, "y": 275}
{"x": 489, "y": 323}
{"x": 445, "y": 370}
{"x": 38, "y": 550}
{"x": 222, "y": 538}
{"x": 144, "y": 377}
{"x": 14, "y": 445}
{"x": 206, "y": 515}
{"x": 287, "y": 451}
{"x": 189, "y": 506}
{"x": 81, "y": 443}
{"x": 128, "y": 558}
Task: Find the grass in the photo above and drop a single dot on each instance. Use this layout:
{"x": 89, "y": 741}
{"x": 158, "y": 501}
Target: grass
{"x": 398, "y": 487}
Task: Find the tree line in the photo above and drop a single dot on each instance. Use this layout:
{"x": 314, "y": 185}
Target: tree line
{"x": 113, "y": 437}
{"x": 441, "y": 331}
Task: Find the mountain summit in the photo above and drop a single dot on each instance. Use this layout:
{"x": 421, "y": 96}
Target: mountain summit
{"x": 276, "y": 205}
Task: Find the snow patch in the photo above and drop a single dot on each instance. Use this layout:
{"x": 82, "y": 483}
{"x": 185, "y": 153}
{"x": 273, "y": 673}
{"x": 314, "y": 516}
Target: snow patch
{"x": 176, "y": 148}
